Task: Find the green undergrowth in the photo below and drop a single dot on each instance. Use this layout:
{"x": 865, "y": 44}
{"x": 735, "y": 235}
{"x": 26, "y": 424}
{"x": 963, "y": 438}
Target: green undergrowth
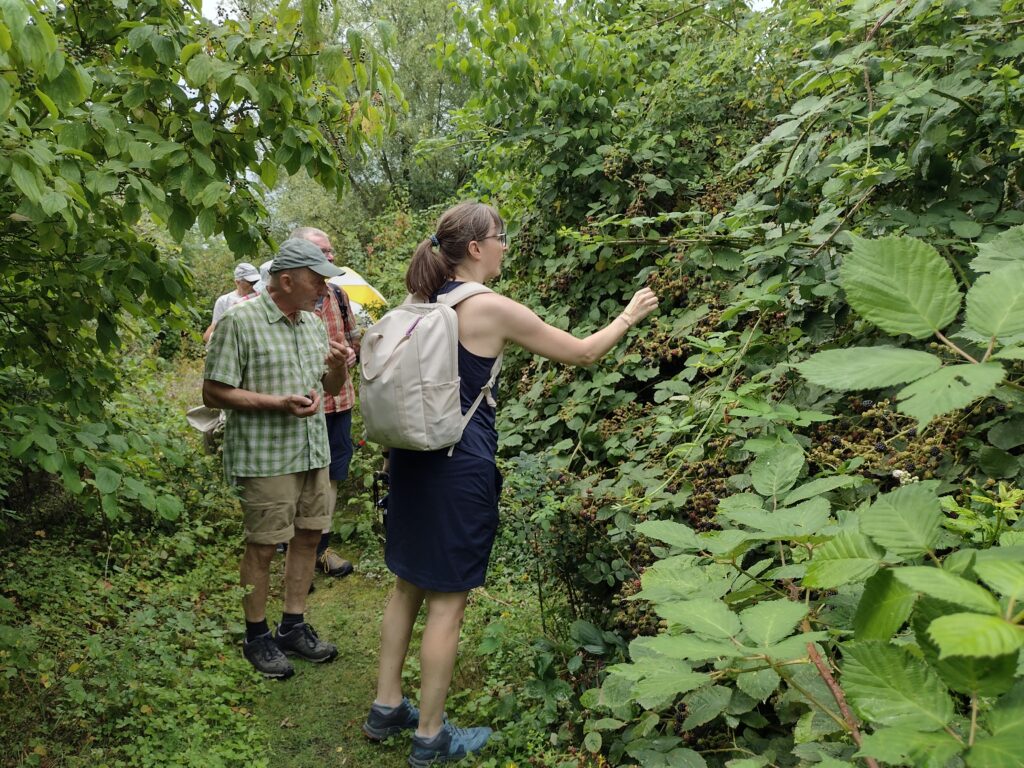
{"x": 128, "y": 654}
{"x": 117, "y": 654}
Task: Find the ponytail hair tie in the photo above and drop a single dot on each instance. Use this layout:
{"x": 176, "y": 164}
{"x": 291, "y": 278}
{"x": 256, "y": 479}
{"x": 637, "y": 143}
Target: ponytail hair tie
{"x": 434, "y": 241}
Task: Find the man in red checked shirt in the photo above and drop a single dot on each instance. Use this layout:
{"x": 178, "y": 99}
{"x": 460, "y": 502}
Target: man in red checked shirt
{"x": 336, "y": 313}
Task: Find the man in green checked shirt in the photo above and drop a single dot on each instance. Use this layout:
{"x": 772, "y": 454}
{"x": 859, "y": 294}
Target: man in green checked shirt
{"x": 268, "y": 364}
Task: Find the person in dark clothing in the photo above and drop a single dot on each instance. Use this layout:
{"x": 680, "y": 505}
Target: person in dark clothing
{"x": 443, "y": 510}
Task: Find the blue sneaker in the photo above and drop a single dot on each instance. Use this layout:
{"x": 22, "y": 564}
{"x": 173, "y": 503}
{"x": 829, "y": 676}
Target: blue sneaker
{"x": 379, "y": 726}
{"x": 449, "y": 745}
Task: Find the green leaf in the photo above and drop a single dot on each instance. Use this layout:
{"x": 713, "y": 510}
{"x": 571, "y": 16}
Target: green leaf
{"x": 1003, "y": 748}
{"x": 107, "y": 480}
{"x": 758, "y": 685}
{"x": 776, "y": 470}
{"x": 199, "y": 69}
{"x": 900, "y": 746}
{"x": 801, "y": 522}
{"x": 28, "y": 179}
{"x": 905, "y": 521}
{"x": 997, "y": 463}
{"x": 169, "y": 507}
{"x": 964, "y": 674}
{"x": 1007, "y": 717}
{"x": 946, "y": 586}
{"x": 900, "y": 284}
{"x": 711, "y": 618}
{"x": 883, "y": 608}
{"x": 867, "y": 367}
{"x": 887, "y": 685}
{"x": 974, "y": 634}
{"x": 848, "y": 557}
{"x": 1009, "y": 353}
{"x": 948, "y": 389}
{"x": 1004, "y": 576}
{"x": 704, "y": 705}
{"x": 819, "y": 486}
{"x": 726, "y": 542}
{"x": 690, "y": 647}
{"x": 6, "y": 97}
{"x": 965, "y": 228}
{"x": 794, "y": 647}
{"x": 995, "y": 303}
{"x": 768, "y": 622}
{"x": 683, "y": 577}
{"x": 202, "y": 130}
{"x": 661, "y": 680}
{"x": 1005, "y": 249}
{"x": 996, "y": 752}
{"x": 673, "y": 534}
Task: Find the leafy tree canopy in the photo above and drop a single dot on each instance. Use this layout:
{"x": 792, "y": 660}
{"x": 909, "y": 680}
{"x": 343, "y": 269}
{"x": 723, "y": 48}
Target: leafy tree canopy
{"x": 122, "y": 122}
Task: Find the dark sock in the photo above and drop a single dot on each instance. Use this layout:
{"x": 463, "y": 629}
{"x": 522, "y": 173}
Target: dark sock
{"x": 288, "y": 622}
{"x": 325, "y": 542}
{"x": 254, "y": 629}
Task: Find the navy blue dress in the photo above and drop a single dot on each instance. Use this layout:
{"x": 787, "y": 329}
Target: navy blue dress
{"x": 443, "y": 510}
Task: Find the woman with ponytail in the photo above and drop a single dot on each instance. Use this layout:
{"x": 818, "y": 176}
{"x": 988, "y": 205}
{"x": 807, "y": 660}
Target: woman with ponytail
{"x": 443, "y": 510}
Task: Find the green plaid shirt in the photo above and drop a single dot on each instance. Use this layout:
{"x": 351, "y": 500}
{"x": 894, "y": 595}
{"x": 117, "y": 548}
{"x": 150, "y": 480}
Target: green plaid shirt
{"x": 255, "y": 347}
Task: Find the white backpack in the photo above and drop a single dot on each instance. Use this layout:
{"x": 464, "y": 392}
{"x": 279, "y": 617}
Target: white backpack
{"x": 409, "y": 360}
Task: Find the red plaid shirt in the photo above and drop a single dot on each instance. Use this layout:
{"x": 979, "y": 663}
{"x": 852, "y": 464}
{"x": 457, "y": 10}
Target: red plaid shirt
{"x": 341, "y": 325}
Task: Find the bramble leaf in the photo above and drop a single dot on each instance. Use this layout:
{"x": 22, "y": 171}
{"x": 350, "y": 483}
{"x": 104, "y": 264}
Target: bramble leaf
{"x": 900, "y": 746}
{"x": 819, "y": 486}
{"x": 768, "y": 622}
{"x": 704, "y": 705}
{"x": 1003, "y": 250}
{"x": 883, "y": 608}
{"x": 1004, "y": 576}
{"x": 905, "y": 521}
{"x": 995, "y": 303}
{"x": 948, "y": 389}
{"x": 974, "y": 634}
{"x": 887, "y": 685}
{"x": 900, "y": 284}
{"x": 867, "y": 367}
{"x": 775, "y": 471}
{"x": 673, "y": 534}
{"x": 711, "y": 618}
{"x": 949, "y": 587}
{"x": 848, "y": 557}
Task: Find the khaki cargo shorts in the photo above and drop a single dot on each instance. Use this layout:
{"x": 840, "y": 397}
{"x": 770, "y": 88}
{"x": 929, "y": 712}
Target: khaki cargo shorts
{"x": 273, "y": 507}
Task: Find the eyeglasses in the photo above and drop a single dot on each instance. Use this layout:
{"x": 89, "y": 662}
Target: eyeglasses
{"x": 502, "y": 237}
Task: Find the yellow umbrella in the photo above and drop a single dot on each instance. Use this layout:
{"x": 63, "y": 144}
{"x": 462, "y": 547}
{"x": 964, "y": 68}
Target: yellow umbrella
{"x": 360, "y": 292}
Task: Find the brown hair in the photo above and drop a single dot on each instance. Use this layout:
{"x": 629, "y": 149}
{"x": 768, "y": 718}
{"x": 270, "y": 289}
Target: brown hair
{"x": 437, "y": 257}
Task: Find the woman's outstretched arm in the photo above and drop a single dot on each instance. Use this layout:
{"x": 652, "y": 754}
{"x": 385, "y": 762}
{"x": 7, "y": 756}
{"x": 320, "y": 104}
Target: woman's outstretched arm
{"x": 521, "y": 325}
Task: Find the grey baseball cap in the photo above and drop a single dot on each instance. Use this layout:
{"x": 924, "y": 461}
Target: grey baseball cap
{"x": 295, "y": 253}
{"x": 246, "y": 271}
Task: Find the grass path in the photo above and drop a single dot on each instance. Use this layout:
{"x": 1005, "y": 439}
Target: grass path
{"x": 314, "y": 718}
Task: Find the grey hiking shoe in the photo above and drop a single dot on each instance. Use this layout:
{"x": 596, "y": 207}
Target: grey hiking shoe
{"x": 450, "y": 744}
{"x": 333, "y": 564}
{"x": 379, "y": 726}
{"x": 303, "y": 641}
{"x": 264, "y": 654}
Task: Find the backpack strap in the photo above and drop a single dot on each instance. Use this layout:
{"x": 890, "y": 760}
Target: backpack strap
{"x": 486, "y": 391}
{"x": 450, "y": 299}
{"x": 336, "y": 290}
{"x": 464, "y": 291}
